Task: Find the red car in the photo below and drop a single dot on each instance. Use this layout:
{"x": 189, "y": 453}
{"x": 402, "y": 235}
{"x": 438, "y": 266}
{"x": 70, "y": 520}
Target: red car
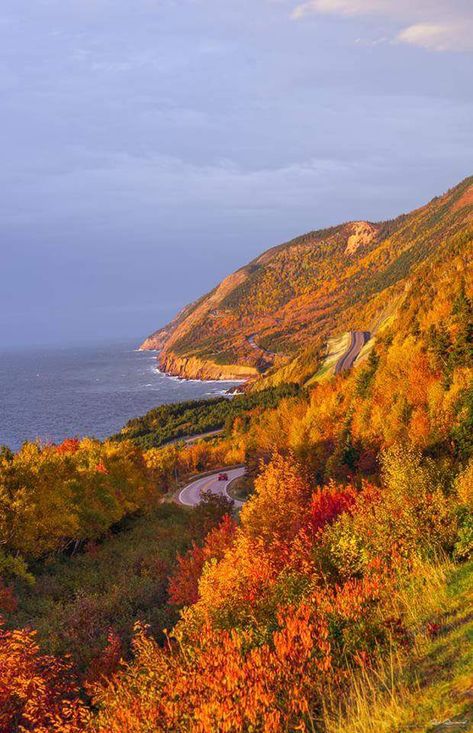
{"x": 223, "y": 476}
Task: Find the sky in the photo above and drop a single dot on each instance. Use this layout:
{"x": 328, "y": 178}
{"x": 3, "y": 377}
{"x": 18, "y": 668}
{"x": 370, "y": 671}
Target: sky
{"x": 150, "y": 147}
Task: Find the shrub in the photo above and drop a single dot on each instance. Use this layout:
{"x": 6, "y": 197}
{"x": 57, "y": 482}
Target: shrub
{"x": 464, "y": 545}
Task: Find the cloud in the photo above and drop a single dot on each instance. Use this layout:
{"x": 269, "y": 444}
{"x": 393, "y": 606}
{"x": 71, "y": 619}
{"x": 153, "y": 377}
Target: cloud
{"x": 438, "y": 37}
{"x": 436, "y": 25}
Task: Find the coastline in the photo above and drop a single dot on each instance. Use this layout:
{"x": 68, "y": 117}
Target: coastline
{"x": 176, "y": 378}
{"x": 52, "y": 393}
{"x": 191, "y": 369}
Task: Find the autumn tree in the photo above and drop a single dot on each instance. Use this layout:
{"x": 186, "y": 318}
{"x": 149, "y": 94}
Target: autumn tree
{"x": 184, "y": 583}
{"x": 38, "y": 693}
{"x": 277, "y": 509}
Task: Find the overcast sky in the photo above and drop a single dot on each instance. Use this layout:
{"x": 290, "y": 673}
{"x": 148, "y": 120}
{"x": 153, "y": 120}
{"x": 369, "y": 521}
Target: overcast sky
{"x": 149, "y": 147}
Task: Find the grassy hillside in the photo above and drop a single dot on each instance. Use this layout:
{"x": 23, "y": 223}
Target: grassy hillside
{"x": 339, "y": 600}
{"x": 76, "y": 602}
{"x": 299, "y": 294}
{"x": 430, "y": 691}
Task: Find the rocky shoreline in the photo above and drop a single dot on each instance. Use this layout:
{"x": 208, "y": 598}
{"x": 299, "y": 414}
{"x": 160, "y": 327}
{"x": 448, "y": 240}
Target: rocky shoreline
{"x": 194, "y": 368}
{"x": 198, "y": 369}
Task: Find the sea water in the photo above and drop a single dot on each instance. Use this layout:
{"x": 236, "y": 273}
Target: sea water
{"x": 53, "y": 393}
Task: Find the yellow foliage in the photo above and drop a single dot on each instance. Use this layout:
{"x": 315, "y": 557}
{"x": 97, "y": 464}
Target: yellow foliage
{"x": 464, "y": 486}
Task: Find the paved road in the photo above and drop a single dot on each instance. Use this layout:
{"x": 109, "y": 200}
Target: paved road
{"x": 254, "y": 345}
{"x": 200, "y": 436}
{"x": 191, "y": 494}
{"x": 357, "y": 341}
{"x": 194, "y": 438}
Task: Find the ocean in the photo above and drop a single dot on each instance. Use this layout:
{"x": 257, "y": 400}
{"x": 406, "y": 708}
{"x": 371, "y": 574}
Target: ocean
{"x": 54, "y": 393}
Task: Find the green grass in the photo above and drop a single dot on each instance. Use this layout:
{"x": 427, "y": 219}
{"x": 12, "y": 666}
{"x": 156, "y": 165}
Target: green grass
{"x": 75, "y": 601}
{"x": 336, "y": 347}
{"x": 445, "y": 670}
{"x": 241, "y": 488}
{"x": 430, "y": 691}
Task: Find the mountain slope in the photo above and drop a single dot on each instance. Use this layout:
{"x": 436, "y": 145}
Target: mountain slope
{"x": 296, "y": 295}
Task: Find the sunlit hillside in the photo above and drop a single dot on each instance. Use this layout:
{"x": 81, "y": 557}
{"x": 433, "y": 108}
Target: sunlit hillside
{"x": 339, "y": 598}
{"x": 295, "y": 296}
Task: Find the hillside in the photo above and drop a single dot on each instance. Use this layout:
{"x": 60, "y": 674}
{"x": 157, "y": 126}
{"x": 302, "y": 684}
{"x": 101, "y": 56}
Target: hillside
{"x": 337, "y": 601}
{"x": 297, "y": 295}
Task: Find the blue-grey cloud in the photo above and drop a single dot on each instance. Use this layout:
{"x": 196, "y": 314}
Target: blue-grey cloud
{"x": 150, "y": 147}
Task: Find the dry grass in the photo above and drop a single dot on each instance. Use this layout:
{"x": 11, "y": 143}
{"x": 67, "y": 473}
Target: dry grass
{"x": 336, "y": 347}
{"x": 379, "y": 700}
{"x": 424, "y": 594}
{"x": 429, "y": 689}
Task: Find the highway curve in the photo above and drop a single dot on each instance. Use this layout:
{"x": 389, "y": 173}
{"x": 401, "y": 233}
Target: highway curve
{"x": 192, "y": 493}
{"x": 357, "y": 341}
{"x": 254, "y": 345}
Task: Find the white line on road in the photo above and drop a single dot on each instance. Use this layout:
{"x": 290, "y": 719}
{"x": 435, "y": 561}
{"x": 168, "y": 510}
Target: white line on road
{"x": 191, "y": 494}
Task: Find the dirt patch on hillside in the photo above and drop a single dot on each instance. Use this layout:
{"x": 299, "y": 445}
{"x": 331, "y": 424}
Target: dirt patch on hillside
{"x": 362, "y": 234}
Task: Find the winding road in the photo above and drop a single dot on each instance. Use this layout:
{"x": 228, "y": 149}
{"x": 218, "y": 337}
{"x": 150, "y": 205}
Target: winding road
{"x": 194, "y": 438}
{"x": 358, "y": 340}
{"x": 192, "y": 493}
{"x": 254, "y": 345}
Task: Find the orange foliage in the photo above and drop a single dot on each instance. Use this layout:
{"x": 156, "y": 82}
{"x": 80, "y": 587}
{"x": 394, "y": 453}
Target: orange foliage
{"x": 228, "y": 684}
{"x": 70, "y": 445}
{"x": 183, "y": 586}
{"x": 37, "y": 692}
{"x": 230, "y": 681}
{"x": 281, "y": 606}
{"x": 278, "y": 508}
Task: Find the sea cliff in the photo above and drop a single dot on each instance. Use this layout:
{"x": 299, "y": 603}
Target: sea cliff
{"x": 195, "y": 368}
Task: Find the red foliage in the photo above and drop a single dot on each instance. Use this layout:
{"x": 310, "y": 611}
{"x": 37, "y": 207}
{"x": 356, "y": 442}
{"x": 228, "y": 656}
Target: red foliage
{"x": 328, "y": 503}
{"x": 106, "y": 663}
{"x": 433, "y": 629}
{"x": 183, "y": 585}
{"x": 8, "y": 601}
{"x": 70, "y": 445}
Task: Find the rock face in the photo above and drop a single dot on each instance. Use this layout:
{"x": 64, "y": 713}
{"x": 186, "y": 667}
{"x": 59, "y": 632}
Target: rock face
{"x": 194, "y": 368}
{"x": 363, "y": 234}
{"x": 293, "y": 297}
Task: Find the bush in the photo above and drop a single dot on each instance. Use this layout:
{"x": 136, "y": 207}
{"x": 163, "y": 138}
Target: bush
{"x": 464, "y": 545}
